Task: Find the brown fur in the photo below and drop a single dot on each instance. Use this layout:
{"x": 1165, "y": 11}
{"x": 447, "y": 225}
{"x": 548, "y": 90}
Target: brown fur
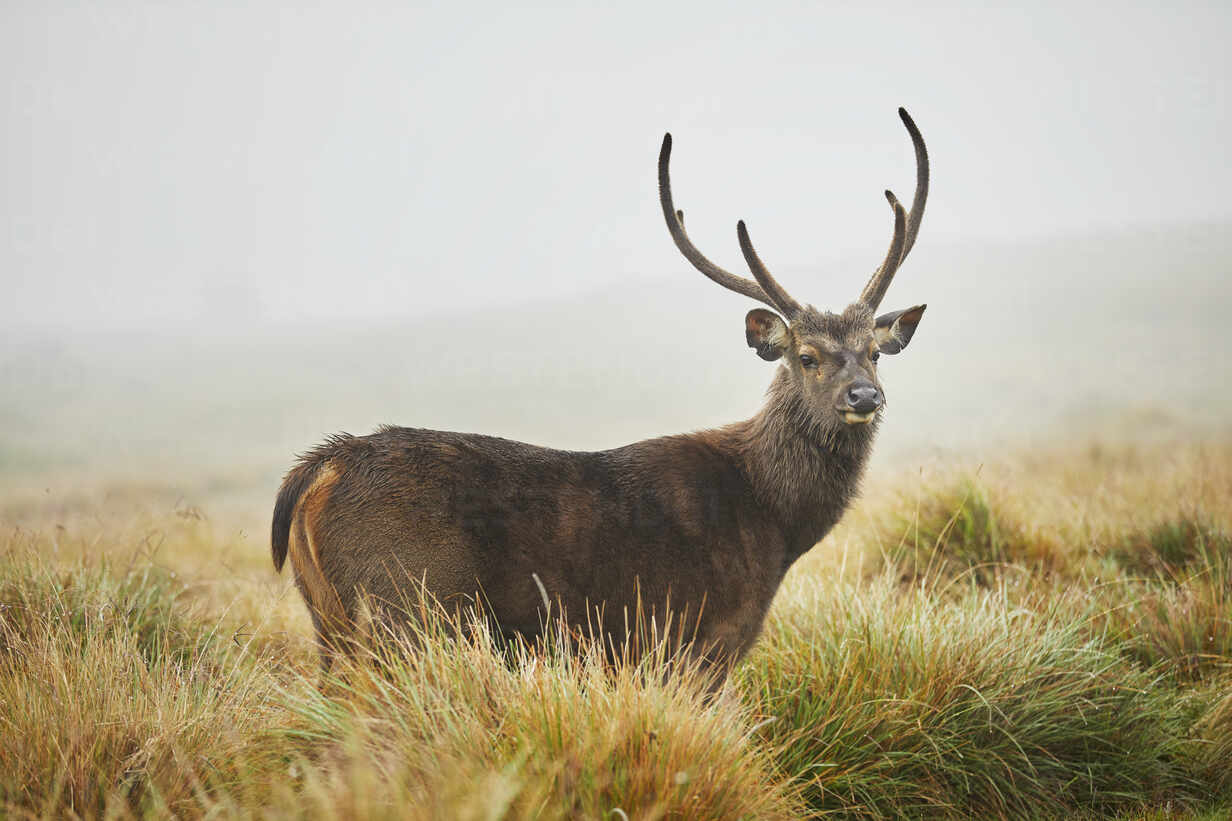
{"x": 705, "y": 523}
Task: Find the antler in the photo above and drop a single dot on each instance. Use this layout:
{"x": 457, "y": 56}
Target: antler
{"x": 905, "y": 226}
{"x": 768, "y": 291}
{"x": 768, "y": 283}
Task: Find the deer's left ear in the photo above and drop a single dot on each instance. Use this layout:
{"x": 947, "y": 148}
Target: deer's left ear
{"x": 767, "y": 332}
{"x": 894, "y": 330}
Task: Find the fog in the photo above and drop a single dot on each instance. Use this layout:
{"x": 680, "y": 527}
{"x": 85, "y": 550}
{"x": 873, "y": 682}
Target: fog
{"x": 228, "y": 230}
{"x": 239, "y": 163}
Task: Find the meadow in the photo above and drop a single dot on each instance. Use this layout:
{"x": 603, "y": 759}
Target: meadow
{"x": 228, "y": 231}
{"x": 1027, "y": 614}
{"x": 1043, "y": 634}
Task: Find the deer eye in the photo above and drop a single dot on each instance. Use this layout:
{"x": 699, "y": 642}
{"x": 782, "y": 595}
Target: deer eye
{"x": 808, "y": 361}
{"x": 875, "y": 355}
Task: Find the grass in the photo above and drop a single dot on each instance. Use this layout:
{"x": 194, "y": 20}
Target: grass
{"x": 116, "y": 699}
{"x": 1045, "y": 636}
{"x": 899, "y": 703}
{"x": 954, "y": 532}
{"x": 552, "y": 735}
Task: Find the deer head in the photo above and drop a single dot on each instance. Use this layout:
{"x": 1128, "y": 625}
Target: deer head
{"x": 831, "y": 358}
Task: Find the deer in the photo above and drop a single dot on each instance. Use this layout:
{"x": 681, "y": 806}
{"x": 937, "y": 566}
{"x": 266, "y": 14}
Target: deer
{"x": 705, "y": 524}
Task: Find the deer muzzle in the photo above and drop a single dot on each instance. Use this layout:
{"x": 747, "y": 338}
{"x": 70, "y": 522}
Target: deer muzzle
{"x": 863, "y": 401}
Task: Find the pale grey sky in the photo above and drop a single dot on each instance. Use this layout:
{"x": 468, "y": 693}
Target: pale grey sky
{"x": 242, "y": 163}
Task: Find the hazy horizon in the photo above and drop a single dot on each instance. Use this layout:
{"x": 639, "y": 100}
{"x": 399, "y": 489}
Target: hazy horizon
{"x": 1112, "y": 335}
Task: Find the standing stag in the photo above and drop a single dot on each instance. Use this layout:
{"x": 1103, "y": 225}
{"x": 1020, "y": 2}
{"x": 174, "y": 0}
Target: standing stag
{"x": 705, "y": 523}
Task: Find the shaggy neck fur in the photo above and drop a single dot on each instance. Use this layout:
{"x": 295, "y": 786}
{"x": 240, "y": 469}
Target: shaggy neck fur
{"x": 806, "y": 468}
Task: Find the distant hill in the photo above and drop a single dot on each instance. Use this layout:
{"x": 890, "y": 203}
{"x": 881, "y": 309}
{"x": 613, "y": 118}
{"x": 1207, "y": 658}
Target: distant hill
{"x": 1018, "y": 340}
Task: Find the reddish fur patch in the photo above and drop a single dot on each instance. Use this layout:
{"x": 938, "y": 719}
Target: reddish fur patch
{"x": 304, "y": 552}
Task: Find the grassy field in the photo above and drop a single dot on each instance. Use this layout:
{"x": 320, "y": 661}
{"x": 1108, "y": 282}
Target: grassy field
{"x": 1044, "y": 636}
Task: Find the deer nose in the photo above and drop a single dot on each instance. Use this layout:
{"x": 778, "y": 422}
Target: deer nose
{"x": 864, "y": 398}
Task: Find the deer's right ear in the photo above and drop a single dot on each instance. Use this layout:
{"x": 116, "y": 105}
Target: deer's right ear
{"x": 767, "y": 332}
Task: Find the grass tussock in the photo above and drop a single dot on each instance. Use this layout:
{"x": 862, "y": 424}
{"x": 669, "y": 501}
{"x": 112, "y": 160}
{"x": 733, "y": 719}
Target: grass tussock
{"x": 958, "y": 532}
{"x": 887, "y": 704}
{"x": 1170, "y": 548}
{"x": 112, "y": 700}
{"x": 1183, "y": 627}
{"x": 1050, "y": 636}
{"x": 551, "y": 734}
{"x": 1214, "y": 733}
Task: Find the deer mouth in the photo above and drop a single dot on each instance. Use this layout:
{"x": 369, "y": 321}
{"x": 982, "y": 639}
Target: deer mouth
{"x": 853, "y": 418}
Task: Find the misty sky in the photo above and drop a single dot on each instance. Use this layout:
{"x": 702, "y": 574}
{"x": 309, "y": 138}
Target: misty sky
{"x": 232, "y": 164}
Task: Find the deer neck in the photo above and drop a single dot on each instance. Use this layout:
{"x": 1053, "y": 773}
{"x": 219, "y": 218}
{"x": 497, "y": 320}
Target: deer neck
{"x": 805, "y": 470}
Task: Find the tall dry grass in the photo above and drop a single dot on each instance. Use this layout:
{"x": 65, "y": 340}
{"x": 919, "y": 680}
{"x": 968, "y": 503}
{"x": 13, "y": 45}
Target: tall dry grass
{"x": 1048, "y": 634}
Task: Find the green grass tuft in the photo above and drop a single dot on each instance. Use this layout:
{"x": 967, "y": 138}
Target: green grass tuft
{"x": 1172, "y": 546}
{"x": 956, "y": 532}
{"x": 1214, "y": 733}
{"x": 885, "y": 704}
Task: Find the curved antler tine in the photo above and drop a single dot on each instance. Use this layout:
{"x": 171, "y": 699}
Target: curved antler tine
{"x": 879, "y": 282}
{"x": 908, "y": 226}
{"x": 768, "y": 283}
{"x": 921, "y": 181}
{"x": 675, "y": 226}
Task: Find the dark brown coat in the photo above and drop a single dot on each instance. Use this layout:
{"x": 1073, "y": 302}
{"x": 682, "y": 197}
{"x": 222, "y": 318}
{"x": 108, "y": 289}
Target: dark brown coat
{"x": 708, "y": 522}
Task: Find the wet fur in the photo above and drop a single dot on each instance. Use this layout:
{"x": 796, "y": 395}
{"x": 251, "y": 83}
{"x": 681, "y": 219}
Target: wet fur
{"x": 706, "y": 523}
